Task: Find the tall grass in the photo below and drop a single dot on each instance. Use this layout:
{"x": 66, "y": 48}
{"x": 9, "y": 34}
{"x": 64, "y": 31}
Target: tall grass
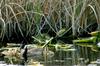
{"x": 28, "y": 17}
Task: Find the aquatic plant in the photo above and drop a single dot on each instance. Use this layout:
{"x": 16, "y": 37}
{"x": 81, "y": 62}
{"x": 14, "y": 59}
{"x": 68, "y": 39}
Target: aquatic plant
{"x": 62, "y": 20}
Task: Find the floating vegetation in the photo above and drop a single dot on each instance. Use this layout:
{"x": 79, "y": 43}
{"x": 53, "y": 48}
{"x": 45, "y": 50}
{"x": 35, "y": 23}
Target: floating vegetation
{"x": 92, "y": 42}
{"x": 86, "y": 40}
{"x": 63, "y": 47}
{"x": 95, "y": 33}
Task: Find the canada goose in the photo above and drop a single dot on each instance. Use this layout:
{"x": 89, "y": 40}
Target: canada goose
{"x": 39, "y": 53}
{"x": 23, "y": 53}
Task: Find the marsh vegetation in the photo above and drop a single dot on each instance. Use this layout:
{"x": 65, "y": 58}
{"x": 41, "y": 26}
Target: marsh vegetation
{"x": 50, "y": 32}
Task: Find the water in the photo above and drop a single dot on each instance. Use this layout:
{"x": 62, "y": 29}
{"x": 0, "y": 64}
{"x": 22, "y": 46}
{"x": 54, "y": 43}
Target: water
{"x": 75, "y": 56}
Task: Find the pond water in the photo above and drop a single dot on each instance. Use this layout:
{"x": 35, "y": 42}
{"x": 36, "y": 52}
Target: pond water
{"x": 74, "y": 56}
